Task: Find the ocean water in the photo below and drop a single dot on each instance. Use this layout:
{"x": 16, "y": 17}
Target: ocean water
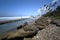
{"x": 12, "y": 26}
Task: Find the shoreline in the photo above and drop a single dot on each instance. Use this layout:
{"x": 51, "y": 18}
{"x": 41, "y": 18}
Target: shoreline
{"x": 15, "y": 29}
{"x": 10, "y": 21}
{"x": 32, "y": 30}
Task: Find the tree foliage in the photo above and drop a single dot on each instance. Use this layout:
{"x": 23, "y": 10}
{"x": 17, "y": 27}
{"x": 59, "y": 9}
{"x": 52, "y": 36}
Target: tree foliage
{"x": 55, "y": 13}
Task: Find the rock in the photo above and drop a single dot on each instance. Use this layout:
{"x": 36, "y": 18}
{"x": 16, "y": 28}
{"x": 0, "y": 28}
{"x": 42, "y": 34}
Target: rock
{"x": 29, "y": 28}
{"x": 56, "y": 22}
{"x": 33, "y": 27}
{"x": 50, "y": 33}
{"x": 19, "y": 26}
{"x": 22, "y": 25}
{"x": 19, "y": 34}
{"x": 16, "y": 38}
{"x": 53, "y": 21}
{"x": 28, "y": 39}
{"x": 25, "y": 24}
{"x": 44, "y": 21}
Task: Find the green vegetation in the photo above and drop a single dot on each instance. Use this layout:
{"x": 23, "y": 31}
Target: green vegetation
{"x": 54, "y": 14}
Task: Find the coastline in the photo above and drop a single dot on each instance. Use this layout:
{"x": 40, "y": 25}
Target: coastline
{"x": 14, "y": 29}
{"x": 31, "y": 30}
{"x": 10, "y": 21}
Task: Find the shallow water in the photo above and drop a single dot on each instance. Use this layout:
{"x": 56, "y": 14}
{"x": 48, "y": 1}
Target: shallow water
{"x": 11, "y": 26}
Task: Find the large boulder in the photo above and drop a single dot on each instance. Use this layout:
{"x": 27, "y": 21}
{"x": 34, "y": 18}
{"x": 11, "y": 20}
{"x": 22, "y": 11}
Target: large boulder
{"x": 19, "y": 27}
{"x": 56, "y": 22}
{"x": 19, "y": 34}
{"x": 50, "y": 33}
{"x": 30, "y": 28}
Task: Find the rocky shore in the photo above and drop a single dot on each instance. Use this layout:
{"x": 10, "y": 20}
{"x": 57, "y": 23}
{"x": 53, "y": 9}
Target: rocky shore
{"x": 44, "y": 28}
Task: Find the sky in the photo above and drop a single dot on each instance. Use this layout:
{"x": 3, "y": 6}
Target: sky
{"x": 17, "y": 8}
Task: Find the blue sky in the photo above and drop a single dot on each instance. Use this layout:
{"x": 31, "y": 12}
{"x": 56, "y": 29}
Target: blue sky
{"x": 18, "y": 8}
